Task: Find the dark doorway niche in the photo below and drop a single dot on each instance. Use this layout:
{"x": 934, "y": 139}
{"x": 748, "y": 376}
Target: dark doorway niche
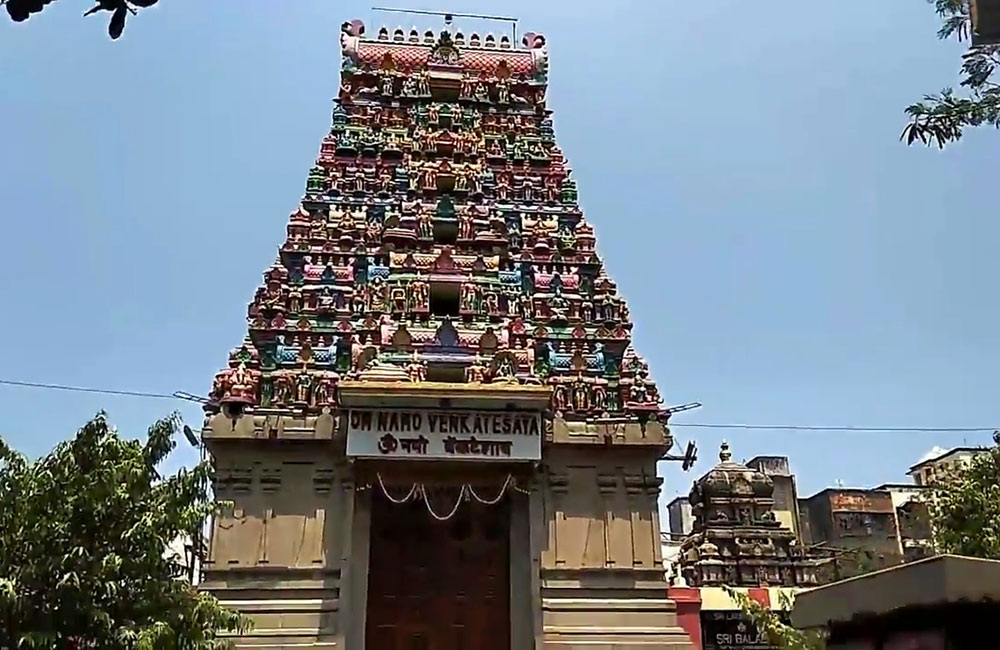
{"x": 446, "y": 372}
{"x": 445, "y": 232}
{"x": 444, "y": 299}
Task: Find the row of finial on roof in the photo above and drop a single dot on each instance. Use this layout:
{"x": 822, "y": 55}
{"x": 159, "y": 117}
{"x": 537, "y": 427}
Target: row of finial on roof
{"x": 489, "y": 41}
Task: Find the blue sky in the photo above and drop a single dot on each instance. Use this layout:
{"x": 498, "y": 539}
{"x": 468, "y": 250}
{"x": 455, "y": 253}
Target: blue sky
{"x": 785, "y": 258}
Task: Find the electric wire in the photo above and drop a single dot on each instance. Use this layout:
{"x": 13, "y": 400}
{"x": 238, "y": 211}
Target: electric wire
{"x": 693, "y": 425}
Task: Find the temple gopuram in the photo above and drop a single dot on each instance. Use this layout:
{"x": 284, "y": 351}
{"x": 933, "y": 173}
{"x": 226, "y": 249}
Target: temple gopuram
{"x": 436, "y": 434}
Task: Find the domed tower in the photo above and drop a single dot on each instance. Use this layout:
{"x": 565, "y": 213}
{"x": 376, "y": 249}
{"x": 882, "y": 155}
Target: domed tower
{"x": 736, "y": 539}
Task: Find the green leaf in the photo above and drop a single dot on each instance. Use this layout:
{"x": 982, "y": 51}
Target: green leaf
{"x": 82, "y": 538}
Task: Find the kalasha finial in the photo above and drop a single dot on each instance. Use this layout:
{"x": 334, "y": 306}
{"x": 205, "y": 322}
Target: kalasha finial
{"x": 724, "y": 455}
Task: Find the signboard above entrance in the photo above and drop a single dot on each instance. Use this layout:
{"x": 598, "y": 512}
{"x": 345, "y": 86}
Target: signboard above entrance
{"x": 444, "y": 435}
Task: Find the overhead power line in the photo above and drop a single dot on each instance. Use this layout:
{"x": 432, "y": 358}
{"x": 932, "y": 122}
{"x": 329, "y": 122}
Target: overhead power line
{"x": 700, "y": 425}
{"x": 83, "y": 389}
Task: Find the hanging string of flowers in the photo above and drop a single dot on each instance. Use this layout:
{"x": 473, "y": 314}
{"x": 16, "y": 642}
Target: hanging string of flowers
{"x": 465, "y": 493}
{"x": 458, "y": 502}
{"x": 414, "y": 489}
{"x": 500, "y": 494}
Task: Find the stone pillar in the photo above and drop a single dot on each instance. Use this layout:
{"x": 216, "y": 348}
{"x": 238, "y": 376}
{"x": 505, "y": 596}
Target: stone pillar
{"x": 601, "y": 582}
{"x": 275, "y": 553}
{"x": 354, "y": 578}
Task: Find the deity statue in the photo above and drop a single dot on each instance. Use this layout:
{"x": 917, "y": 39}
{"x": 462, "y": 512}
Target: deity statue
{"x": 346, "y": 222}
{"x": 294, "y": 300}
{"x": 543, "y": 359}
{"x": 303, "y": 386}
{"x": 385, "y": 182}
{"x": 409, "y": 88}
{"x": 341, "y": 354}
{"x": 429, "y": 170}
{"x": 600, "y": 358}
{"x": 581, "y": 396}
{"x": 377, "y": 294}
{"x": 525, "y": 306}
{"x": 504, "y": 369}
{"x": 492, "y": 303}
{"x": 587, "y": 311}
{"x": 552, "y": 189}
{"x": 416, "y": 370}
{"x": 465, "y": 225}
{"x": 388, "y": 83}
{"x": 423, "y": 83}
{"x": 638, "y": 392}
{"x": 370, "y": 139}
{"x": 469, "y": 297}
{"x": 599, "y": 396}
{"x": 467, "y": 87}
{"x": 503, "y": 91}
{"x": 557, "y": 306}
{"x": 266, "y": 393}
{"x": 326, "y": 390}
{"x": 560, "y": 398}
{"x": 514, "y": 235}
{"x": 470, "y": 179}
{"x": 359, "y": 300}
{"x": 419, "y": 299}
{"x": 461, "y": 178}
{"x": 482, "y": 91}
{"x": 373, "y": 233}
{"x": 475, "y": 373}
{"x": 425, "y": 224}
{"x": 356, "y": 351}
{"x": 503, "y": 188}
{"x": 282, "y": 390}
{"x": 273, "y": 297}
{"x": 241, "y": 385}
{"x": 528, "y": 189}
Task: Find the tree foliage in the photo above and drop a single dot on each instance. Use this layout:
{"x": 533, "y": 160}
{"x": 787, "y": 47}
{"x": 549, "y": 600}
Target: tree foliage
{"x": 20, "y": 10}
{"x": 83, "y": 539}
{"x": 965, "y": 509}
{"x": 942, "y": 118}
{"x": 778, "y": 633}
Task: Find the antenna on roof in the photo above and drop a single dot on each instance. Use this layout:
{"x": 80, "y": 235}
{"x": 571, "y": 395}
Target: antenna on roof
{"x": 449, "y": 16}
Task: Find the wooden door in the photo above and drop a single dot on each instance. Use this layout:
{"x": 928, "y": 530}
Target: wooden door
{"x": 438, "y": 585}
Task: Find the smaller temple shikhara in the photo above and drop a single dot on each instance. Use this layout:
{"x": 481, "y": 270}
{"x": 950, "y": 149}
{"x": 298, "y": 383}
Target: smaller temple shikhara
{"x": 737, "y": 540}
{"x": 436, "y": 433}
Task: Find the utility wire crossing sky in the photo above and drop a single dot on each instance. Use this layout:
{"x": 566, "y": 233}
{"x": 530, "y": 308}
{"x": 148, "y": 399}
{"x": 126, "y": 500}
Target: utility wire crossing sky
{"x": 704, "y": 425}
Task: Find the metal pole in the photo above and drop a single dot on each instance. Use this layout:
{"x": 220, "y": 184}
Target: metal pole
{"x": 443, "y": 13}
{"x": 448, "y": 15}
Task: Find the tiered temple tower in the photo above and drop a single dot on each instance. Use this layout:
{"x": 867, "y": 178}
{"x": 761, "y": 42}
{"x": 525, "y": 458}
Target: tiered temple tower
{"x": 737, "y": 539}
{"x": 436, "y": 431}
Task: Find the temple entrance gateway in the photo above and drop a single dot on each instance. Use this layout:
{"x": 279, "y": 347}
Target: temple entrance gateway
{"x": 438, "y": 585}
